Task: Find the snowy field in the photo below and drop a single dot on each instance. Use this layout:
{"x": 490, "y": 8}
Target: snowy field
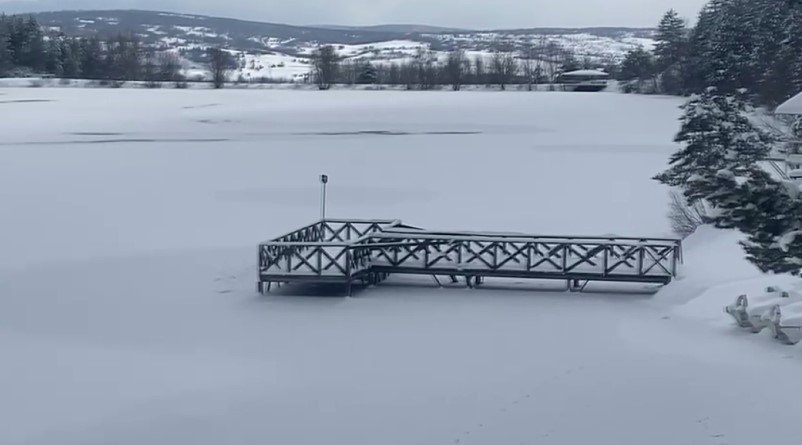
{"x": 128, "y": 311}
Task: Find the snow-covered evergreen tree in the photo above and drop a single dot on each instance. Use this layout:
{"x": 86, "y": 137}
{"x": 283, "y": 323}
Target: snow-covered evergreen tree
{"x": 671, "y": 40}
{"x": 754, "y": 44}
{"x": 718, "y": 138}
{"x": 700, "y": 44}
{"x": 671, "y": 53}
{"x": 718, "y": 165}
{"x": 54, "y": 57}
{"x": 770, "y": 64}
{"x": 732, "y": 46}
{"x": 792, "y": 47}
{"x": 769, "y": 211}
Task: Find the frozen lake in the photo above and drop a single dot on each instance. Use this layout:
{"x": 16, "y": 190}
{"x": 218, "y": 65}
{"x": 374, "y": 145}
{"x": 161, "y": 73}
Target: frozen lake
{"x": 128, "y": 311}
{"x": 136, "y": 171}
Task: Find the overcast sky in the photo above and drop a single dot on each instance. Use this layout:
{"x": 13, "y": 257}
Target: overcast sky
{"x": 455, "y": 13}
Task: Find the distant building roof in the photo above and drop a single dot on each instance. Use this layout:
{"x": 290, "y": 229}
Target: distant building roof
{"x": 585, "y": 73}
{"x": 793, "y": 106}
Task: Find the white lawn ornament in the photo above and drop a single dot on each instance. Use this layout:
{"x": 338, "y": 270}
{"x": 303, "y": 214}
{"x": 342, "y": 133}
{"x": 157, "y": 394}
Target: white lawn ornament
{"x": 786, "y": 323}
{"x": 749, "y": 312}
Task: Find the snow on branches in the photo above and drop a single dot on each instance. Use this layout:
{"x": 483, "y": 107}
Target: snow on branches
{"x": 718, "y": 164}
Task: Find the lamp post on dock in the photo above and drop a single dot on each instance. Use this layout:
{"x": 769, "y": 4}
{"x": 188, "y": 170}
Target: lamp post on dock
{"x": 324, "y": 179}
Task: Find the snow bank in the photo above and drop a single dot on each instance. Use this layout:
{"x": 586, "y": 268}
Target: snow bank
{"x": 714, "y": 274}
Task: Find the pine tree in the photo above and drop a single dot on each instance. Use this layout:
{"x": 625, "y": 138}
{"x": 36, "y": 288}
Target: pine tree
{"x": 671, "y": 40}
{"x": 777, "y": 50}
{"x": 718, "y": 141}
{"x": 71, "y": 58}
{"x": 671, "y": 53}
{"x": 701, "y": 43}
{"x": 730, "y": 56}
{"x": 754, "y": 44}
{"x": 92, "y": 59}
{"x": 367, "y": 74}
{"x": 770, "y": 213}
{"x": 32, "y": 49}
{"x": 5, "y": 48}
{"x": 792, "y": 47}
{"x": 638, "y": 65}
{"x": 54, "y": 57}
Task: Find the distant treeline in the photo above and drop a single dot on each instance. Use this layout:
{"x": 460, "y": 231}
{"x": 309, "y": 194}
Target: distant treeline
{"x": 25, "y": 50}
{"x": 535, "y": 63}
{"x": 736, "y": 44}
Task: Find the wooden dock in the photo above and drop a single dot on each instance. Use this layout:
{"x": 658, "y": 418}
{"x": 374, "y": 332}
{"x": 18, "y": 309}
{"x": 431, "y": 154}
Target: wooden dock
{"x": 368, "y": 251}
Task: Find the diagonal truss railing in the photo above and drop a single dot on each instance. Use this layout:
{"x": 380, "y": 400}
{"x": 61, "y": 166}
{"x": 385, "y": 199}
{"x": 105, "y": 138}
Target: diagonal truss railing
{"x": 344, "y": 250}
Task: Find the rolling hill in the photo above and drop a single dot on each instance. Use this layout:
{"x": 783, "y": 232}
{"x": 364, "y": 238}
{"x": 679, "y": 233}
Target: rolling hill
{"x": 280, "y": 51}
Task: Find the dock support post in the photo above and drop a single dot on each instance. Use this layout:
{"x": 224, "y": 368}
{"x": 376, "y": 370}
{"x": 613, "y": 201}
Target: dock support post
{"x": 263, "y": 287}
{"x": 575, "y": 285}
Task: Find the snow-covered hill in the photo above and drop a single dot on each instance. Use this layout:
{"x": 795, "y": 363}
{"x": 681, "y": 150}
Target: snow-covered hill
{"x": 281, "y": 52}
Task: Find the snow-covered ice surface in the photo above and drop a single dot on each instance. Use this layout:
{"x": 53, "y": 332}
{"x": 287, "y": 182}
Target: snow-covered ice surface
{"x": 128, "y": 312}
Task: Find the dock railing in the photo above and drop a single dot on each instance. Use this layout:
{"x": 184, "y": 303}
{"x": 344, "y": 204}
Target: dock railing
{"x": 349, "y": 250}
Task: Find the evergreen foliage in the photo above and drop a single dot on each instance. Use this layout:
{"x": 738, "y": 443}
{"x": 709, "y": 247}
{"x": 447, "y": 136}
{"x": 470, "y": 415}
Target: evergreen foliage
{"x": 26, "y": 50}
{"x": 754, "y": 44}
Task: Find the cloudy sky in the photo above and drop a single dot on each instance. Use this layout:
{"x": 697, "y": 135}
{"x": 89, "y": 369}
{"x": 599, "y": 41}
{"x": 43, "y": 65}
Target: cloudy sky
{"x": 456, "y": 13}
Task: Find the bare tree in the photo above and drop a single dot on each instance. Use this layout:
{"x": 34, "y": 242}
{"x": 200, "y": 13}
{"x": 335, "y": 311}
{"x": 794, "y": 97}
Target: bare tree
{"x": 685, "y": 218}
{"x": 427, "y": 69}
{"x": 479, "y": 70}
{"x": 169, "y": 67}
{"x": 394, "y": 74}
{"x": 552, "y": 52}
{"x": 540, "y": 55}
{"x": 529, "y": 65}
{"x": 505, "y": 67}
{"x": 348, "y": 71}
{"x": 455, "y": 69}
{"x": 325, "y": 65}
{"x": 150, "y": 72}
{"x": 568, "y": 61}
{"x": 408, "y": 73}
{"x": 220, "y": 63}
